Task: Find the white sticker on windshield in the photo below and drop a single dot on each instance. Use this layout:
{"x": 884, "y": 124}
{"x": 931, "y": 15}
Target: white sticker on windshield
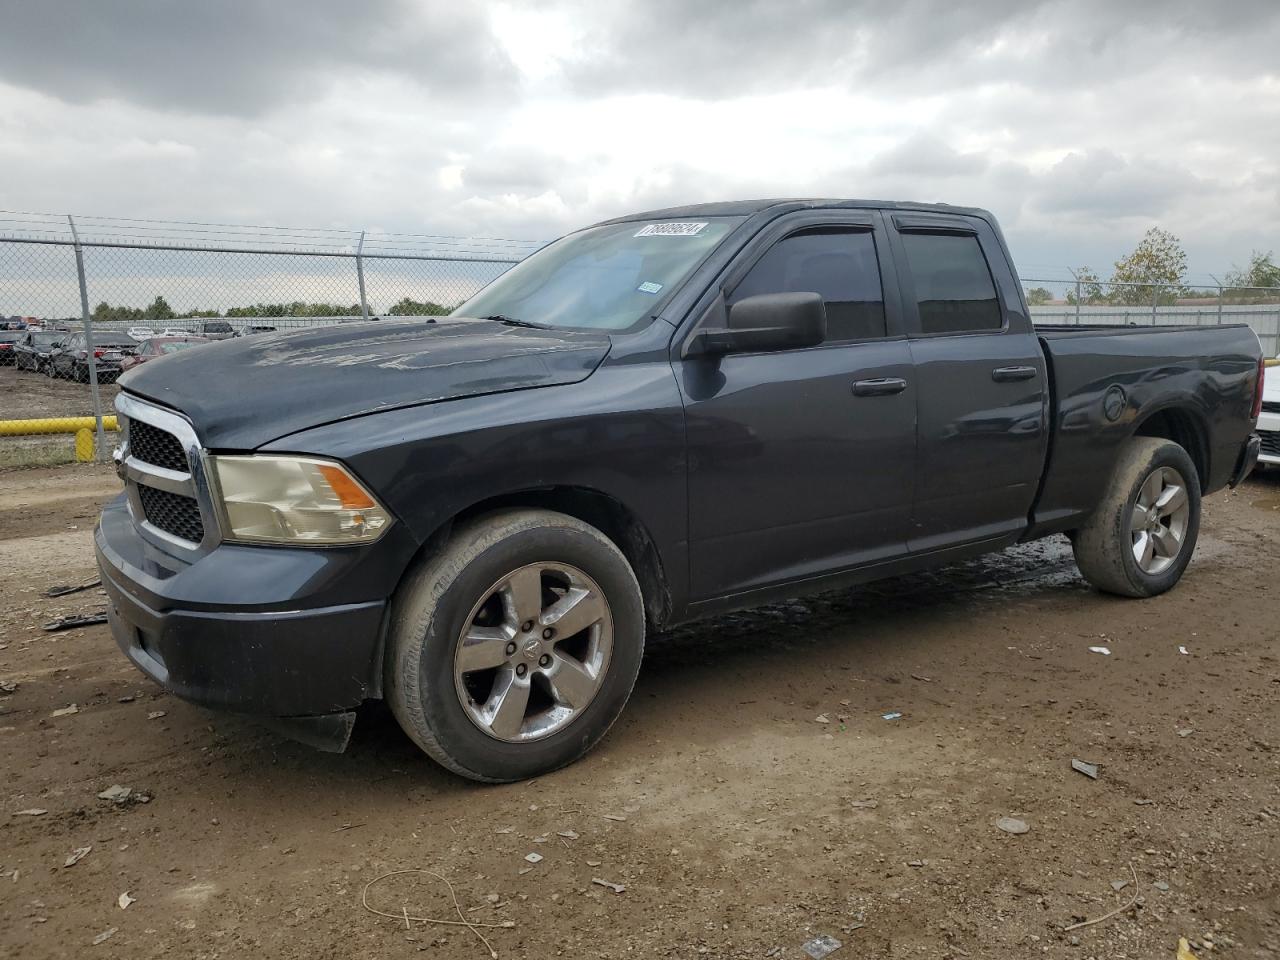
{"x": 649, "y": 287}
{"x": 676, "y": 229}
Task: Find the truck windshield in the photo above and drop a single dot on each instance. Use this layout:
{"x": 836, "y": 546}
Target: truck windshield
{"x": 609, "y": 277}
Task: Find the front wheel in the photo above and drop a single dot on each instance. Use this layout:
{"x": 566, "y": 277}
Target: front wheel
{"x": 1140, "y": 538}
{"x": 513, "y": 650}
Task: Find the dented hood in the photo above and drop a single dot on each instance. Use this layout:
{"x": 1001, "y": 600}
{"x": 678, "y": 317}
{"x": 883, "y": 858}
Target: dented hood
{"x": 243, "y": 393}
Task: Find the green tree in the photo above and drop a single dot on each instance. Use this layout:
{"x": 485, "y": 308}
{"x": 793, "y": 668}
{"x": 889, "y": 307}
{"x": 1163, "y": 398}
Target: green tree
{"x": 1037, "y": 296}
{"x": 1261, "y": 272}
{"x": 1090, "y": 287}
{"x": 406, "y": 307}
{"x": 1157, "y": 266}
{"x": 158, "y": 311}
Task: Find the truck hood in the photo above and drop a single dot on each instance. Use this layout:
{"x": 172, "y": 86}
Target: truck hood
{"x": 242, "y": 393}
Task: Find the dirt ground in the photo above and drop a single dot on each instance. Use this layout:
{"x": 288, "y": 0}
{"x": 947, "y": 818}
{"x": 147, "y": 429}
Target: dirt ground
{"x": 26, "y": 395}
{"x": 739, "y": 825}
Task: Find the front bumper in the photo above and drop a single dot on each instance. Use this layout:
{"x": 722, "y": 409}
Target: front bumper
{"x": 1248, "y": 460}
{"x": 273, "y": 632}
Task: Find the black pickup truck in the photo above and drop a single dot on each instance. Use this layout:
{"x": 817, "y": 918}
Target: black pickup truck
{"x": 479, "y": 517}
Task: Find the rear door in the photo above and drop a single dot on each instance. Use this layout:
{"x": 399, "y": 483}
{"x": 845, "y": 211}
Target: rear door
{"x": 801, "y": 460}
{"x": 982, "y": 401}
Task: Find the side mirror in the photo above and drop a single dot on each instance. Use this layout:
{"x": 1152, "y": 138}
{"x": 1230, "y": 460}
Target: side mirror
{"x": 768, "y": 321}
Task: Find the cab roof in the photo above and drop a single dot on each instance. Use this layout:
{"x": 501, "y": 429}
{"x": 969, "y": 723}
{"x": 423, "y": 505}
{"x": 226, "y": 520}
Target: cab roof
{"x": 747, "y": 208}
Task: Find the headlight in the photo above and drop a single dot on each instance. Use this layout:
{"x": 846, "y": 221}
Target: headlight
{"x": 275, "y": 499}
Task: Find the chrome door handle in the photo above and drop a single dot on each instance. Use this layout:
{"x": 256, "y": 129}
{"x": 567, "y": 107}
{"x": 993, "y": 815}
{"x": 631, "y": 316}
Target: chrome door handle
{"x": 1012, "y": 374}
{"x": 882, "y": 387}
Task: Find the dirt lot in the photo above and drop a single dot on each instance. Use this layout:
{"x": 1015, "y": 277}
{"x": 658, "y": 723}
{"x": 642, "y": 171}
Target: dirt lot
{"x": 738, "y": 824}
{"x": 24, "y": 395}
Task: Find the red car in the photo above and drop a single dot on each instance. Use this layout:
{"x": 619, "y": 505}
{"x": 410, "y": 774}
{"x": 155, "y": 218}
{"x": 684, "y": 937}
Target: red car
{"x": 158, "y": 347}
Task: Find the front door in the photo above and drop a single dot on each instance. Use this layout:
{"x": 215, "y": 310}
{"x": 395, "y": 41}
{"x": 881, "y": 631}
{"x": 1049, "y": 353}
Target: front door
{"x": 801, "y": 461}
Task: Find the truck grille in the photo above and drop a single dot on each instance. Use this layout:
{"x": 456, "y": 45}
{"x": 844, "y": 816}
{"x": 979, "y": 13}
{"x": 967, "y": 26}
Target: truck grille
{"x": 156, "y": 447}
{"x": 1270, "y": 442}
{"x": 176, "y": 515}
{"x": 1271, "y": 406}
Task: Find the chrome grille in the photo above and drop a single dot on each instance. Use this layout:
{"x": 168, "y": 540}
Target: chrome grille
{"x": 1271, "y": 406}
{"x": 156, "y": 447}
{"x": 163, "y": 468}
{"x": 1270, "y": 442}
{"x": 176, "y": 515}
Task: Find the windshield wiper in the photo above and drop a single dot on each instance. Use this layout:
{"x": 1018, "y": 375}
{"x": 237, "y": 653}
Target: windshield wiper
{"x": 514, "y": 322}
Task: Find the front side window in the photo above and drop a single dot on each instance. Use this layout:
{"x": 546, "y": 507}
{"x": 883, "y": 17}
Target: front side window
{"x": 954, "y": 289}
{"x": 838, "y": 264}
{"x": 609, "y": 277}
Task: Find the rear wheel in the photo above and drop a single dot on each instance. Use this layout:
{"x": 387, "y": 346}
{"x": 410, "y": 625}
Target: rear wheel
{"x": 1140, "y": 538}
{"x": 515, "y": 648}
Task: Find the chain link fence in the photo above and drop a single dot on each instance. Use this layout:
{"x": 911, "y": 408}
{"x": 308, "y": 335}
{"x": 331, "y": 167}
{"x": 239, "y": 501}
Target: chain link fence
{"x": 1084, "y": 302}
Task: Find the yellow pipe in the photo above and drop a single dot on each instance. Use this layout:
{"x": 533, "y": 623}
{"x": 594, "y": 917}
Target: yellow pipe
{"x": 28, "y": 428}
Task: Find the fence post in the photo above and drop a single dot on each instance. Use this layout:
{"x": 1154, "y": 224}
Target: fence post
{"x": 88, "y": 346}
{"x": 1077, "y": 302}
{"x": 1155, "y": 299}
{"x": 364, "y": 304}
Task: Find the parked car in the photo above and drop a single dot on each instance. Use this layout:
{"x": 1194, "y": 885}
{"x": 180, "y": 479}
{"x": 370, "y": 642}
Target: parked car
{"x": 215, "y": 330}
{"x": 175, "y": 332}
{"x": 140, "y": 333}
{"x": 8, "y": 341}
{"x": 34, "y": 350}
{"x": 656, "y": 418}
{"x": 13, "y": 323}
{"x": 1269, "y": 420}
{"x": 159, "y": 347}
{"x": 71, "y": 358}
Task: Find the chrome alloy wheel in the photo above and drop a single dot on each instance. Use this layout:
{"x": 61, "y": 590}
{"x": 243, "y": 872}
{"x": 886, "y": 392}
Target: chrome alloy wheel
{"x": 1158, "y": 523}
{"x": 533, "y": 652}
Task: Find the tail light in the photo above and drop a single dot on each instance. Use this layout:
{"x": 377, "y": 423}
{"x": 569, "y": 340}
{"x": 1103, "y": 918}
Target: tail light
{"x": 98, "y": 354}
{"x": 1257, "y": 390}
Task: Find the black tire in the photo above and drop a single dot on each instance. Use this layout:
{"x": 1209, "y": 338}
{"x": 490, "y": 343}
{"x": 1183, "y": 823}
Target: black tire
{"x": 436, "y": 601}
{"x": 1105, "y": 546}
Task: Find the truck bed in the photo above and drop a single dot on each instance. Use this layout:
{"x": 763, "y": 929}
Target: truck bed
{"x": 1106, "y": 383}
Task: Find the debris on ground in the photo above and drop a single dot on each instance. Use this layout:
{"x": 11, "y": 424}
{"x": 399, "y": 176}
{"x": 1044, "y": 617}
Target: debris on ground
{"x": 1186, "y": 731}
{"x": 65, "y": 711}
{"x": 75, "y": 620}
{"x": 1105, "y": 651}
{"x": 1184, "y": 950}
{"x": 33, "y": 812}
{"x": 894, "y": 715}
{"x": 915, "y": 863}
{"x": 7, "y": 686}
{"x": 533, "y": 857}
{"x": 78, "y": 854}
{"x": 124, "y": 900}
{"x": 615, "y": 887}
{"x": 864, "y": 804}
{"x": 155, "y": 714}
{"x": 568, "y": 834}
{"x": 1114, "y": 913}
{"x": 615, "y": 817}
{"x": 922, "y": 679}
{"x": 104, "y": 936}
{"x": 1161, "y": 886}
{"x": 820, "y": 946}
{"x": 65, "y": 589}
{"x": 116, "y": 793}
{"x": 594, "y": 863}
{"x": 822, "y": 718}
{"x": 1118, "y": 885}
{"x": 1012, "y": 825}
{"x": 1090, "y": 770}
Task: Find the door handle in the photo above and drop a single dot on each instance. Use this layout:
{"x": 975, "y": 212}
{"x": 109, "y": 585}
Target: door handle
{"x": 1012, "y": 374}
{"x": 883, "y": 387}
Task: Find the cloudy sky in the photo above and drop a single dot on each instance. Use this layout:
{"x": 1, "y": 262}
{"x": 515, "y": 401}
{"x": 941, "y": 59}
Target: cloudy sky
{"x": 1080, "y": 124}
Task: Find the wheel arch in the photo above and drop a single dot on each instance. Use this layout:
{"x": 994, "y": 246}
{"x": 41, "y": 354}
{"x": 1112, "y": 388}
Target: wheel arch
{"x": 1185, "y": 427}
{"x": 604, "y": 512}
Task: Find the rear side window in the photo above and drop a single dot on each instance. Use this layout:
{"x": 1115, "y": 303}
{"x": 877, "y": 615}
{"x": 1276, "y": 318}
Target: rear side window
{"x": 954, "y": 289}
{"x": 840, "y": 265}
